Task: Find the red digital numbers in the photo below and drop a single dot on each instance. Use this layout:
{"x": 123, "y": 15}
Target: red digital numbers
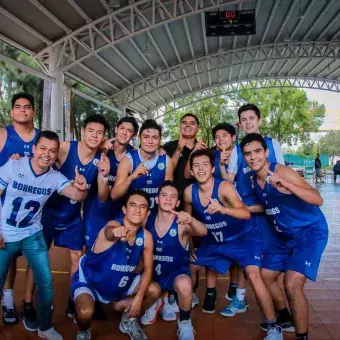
{"x": 230, "y": 14}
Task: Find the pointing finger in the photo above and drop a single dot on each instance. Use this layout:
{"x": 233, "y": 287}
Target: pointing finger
{"x": 268, "y": 171}
{"x": 76, "y": 171}
{"x": 174, "y": 212}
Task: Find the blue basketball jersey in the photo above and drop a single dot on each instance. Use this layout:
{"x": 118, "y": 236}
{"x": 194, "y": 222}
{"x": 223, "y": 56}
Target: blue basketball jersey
{"x": 14, "y": 144}
{"x": 289, "y": 213}
{"x": 221, "y": 228}
{"x": 110, "y": 271}
{"x": 62, "y": 210}
{"x": 217, "y": 157}
{"x": 155, "y": 177}
{"x": 245, "y": 176}
{"x": 169, "y": 254}
{"x": 97, "y": 213}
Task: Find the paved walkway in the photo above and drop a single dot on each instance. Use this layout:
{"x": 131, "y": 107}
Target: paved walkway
{"x": 324, "y": 299}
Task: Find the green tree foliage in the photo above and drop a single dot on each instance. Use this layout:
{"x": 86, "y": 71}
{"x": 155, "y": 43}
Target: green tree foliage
{"x": 330, "y": 144}
{"x": 307, "y": 149}
{"x": 286, "y": 112}
{"x": 208, "y": 113}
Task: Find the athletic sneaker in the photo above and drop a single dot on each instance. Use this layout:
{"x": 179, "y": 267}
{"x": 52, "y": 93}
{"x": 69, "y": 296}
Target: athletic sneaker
{"x": 9, "y": 315}
{"x": 185, "y": 330}
{"x": 71, "y": 309}
{"x": 167, "y": 312}
{"x": 132, "y": 328}
{"x": 195, "y": 300}
{"x": 209, "y": 303}
{"x": 286, "y": 325}
{"x": 174, "y": 306}
{"x": 84, "y": 335}
{"x": 29, "y": 317}
{"x": 274, "y": 333}
{"x": 235, "y": 307}
{"x": 150, "y": 315}
{"x": 50, "y": 334}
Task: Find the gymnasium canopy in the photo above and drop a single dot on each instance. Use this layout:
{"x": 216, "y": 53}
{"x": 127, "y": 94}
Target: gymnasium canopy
{"x": 144, "y": 54}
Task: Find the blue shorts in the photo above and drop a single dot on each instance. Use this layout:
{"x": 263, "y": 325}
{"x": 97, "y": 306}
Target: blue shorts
{"x": 245, "y": 250}
{"x": 79, "y": 285}
{"x": 167, "y": 283}
{"x": 72, "y": 237}
{"x": 301, "y": 254}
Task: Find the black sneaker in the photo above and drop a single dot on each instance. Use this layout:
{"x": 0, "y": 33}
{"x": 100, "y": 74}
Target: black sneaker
{"x": 71, "y": 309}
{"x": 287, "y": 326}
{"x": 9, "y": 316}
{"x": 209, "y": 303}
{"x": 29, "y": 317}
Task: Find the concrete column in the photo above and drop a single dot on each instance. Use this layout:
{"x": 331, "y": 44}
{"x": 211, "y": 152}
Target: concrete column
{"x": 57, "y": 108}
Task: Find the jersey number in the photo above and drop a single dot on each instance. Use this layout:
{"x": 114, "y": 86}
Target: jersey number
{"x": 218, "y": 235}
{"x": 152, "y": 200}
{"x": 158, "y": 269}
{"x": 32, "y": 206}
{"x": 123, "y": 281}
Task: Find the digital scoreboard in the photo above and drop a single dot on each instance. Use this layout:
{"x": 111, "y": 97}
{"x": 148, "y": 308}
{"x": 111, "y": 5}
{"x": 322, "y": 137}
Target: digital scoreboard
{"x": 230, "y": 23}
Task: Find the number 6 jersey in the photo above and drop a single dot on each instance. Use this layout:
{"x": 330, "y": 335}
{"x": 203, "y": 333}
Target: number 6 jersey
{"x": 24, "y": 196}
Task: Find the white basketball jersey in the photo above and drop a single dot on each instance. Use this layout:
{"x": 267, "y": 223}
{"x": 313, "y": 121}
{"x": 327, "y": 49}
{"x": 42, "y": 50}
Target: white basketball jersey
{"x": 24, "y": 197}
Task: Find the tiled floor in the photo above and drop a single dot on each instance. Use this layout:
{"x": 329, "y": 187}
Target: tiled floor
{"x": 324, "y": 299}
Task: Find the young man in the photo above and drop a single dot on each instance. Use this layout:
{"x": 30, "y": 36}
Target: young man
{"x": 29, "y": 182}
{"x": 62, "y": 217}
{"x": 231, "y": 238}
{"x": 107, "y": 272}
{"x": 224, "y": 136}
{"x": 250, "y": 122}
{"x": 16, "y": 141}
{"x": 144, "y": 168}
{"x": 98, "y": 211}
{"x": 171, "y": 232}
{"x": 293, "y": 206}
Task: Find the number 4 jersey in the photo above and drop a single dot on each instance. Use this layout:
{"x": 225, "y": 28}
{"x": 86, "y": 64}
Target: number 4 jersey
{"x": 25, "y": 193}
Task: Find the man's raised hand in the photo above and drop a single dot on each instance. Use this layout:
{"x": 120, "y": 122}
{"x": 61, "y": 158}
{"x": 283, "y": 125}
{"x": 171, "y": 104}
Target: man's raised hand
{"x": 182, "y": 217}
{"x": 104, "y": 165}
{"x": 79, "y": 180}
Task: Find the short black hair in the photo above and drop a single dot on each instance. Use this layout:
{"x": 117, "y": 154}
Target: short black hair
{"x": 191, "y": 115}
{"x": 48, "y": 135}
{"x": 23, "y": 95}
{"x": 226, "y": 127}
{"x": 100, "y": 119}
{"x": 151, "y": 124}
{"x": 168, "y": 183}
{"x": 253, "y": 137}
{"x": 249, "y": 107}
{"x": 130, "y": 120}
{"x": 137, "y": 192}
{"x": 202, "y": 152}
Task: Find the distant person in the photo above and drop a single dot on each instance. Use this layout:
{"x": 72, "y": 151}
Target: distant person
{"x": 336, "y": 170}
{"x": 318, "y": 169}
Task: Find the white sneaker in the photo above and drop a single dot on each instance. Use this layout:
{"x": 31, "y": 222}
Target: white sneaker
{"x": 274, "y": 333}
{"x": 195, "y": 300}
{"x": 174, "y": 306}
{"x": 50, "y": 334}
{"x": 150, "y": 315}
{"x": 185, "y": 330}
{"x": 167, "y": 313}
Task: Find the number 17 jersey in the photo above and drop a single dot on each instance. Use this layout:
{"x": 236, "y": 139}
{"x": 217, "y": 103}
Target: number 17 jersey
{"x": 24, "y": 196}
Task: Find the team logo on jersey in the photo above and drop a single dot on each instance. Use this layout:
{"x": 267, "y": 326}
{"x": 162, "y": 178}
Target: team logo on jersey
{"x": 27, "y": 153}
{"x": 21, "y": 176}
{"x": 149, "y": 181}
{"x": 26, "y": 146}
{"x": 139, "y": 241}
{"x": 161, "y": 166}
{"x": 173, "y": 232}
{"x": 95, "y": 161}
{"x": 159, "y": 250}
